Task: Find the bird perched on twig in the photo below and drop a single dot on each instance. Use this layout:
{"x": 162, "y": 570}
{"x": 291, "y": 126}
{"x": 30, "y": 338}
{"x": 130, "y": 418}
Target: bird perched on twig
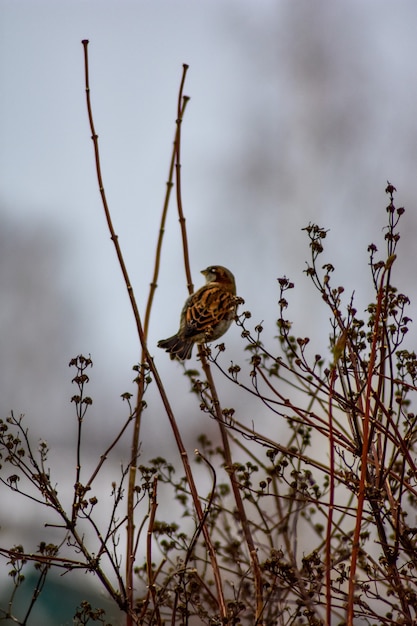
{"x": 206, "y": 315}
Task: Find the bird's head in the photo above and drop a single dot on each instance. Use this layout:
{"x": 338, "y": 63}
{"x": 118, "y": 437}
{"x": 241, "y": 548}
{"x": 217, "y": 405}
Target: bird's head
{"x": 221, "y": 275}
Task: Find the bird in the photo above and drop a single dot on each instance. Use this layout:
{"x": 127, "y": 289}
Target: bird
{"x": 206, "y": 315}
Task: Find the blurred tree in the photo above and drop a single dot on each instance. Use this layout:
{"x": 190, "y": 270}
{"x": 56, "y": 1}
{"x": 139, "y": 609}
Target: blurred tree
{"x": 36, "y": 319}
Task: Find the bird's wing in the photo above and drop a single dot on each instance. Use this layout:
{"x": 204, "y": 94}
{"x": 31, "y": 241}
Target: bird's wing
{"x": 206, "y": 308}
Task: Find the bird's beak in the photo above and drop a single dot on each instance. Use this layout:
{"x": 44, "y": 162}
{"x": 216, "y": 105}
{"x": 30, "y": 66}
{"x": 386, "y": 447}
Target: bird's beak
{"x": 204, "y": 272}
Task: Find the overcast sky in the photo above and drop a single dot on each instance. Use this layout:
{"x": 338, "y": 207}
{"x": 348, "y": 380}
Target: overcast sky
{"x": 299, "y": 112}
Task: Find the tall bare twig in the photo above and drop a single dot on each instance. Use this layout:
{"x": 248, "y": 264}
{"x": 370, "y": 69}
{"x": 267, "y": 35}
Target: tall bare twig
{"x": 149, "y": 361}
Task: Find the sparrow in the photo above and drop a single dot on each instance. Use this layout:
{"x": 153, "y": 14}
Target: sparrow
{"x": 206, "y": 315}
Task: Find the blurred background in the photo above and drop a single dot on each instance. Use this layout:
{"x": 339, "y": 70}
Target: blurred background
{"x": 299, "y": 112}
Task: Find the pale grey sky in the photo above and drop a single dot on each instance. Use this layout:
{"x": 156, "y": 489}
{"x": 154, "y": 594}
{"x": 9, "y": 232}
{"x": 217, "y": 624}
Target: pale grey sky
{"x": 297, "y": 114}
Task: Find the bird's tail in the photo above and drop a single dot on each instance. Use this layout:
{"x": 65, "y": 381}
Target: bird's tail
{"x": 177, "y": 347}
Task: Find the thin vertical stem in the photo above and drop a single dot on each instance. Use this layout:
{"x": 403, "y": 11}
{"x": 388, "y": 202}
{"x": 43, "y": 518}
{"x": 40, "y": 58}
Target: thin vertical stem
{"x": 364, "y": 457}
{"x": 253, "y": 554}
{"x": 130, "y": 616}
{"x": 331, "y": 502}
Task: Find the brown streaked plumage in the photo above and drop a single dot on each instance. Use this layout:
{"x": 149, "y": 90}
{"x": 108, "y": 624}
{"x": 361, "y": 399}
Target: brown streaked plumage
{"x": 206, "y": 315}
